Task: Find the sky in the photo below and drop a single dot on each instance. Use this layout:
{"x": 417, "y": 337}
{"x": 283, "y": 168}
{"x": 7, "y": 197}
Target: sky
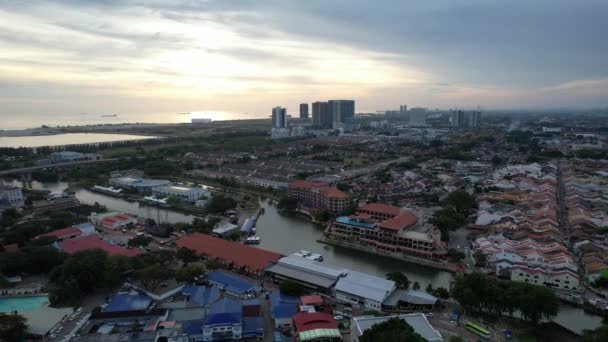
{"x": 247, "y": 56}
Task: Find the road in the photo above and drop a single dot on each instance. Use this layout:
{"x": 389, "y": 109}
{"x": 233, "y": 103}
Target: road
{"x": 58, "y": 165}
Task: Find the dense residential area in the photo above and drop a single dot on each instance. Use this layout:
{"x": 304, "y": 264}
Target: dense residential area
{"x": 444, "y": 228}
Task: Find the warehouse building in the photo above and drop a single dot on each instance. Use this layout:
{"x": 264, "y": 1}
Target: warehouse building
{"x": 312, "y": 274}
{"x": 139, "y": 184}
{"x": 364, "y": 289}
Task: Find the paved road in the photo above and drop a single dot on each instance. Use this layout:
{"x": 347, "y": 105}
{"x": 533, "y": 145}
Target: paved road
{"x": 59, "y": 165}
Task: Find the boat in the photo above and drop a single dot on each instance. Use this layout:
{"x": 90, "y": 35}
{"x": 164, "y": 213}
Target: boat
{"x": 253, "y": 240}
{"x": 310, "y": 256}
{"x": 109, "y": 116}
{"x": 107, "y": 190}
{"x": 155, "y": 200}
{"x": 184, "y": 113}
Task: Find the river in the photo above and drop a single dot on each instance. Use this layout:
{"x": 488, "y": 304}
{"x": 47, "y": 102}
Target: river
{"x": 67, "y": 139}
{"x": 287, "y": 234}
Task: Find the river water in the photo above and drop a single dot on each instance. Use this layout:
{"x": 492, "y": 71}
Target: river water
{"x": 288, "y": 234}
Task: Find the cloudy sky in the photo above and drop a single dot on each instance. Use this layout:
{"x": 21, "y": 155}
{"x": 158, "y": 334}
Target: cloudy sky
{"x": 248, "y": 56}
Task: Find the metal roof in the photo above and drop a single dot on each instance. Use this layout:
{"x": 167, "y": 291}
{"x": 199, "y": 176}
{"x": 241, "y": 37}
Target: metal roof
{"x": 418, "y": 321}
{"x": 297, "y": 274}
{"x": 319, "y": 333}
{"x": 365, "y": 286}
{"x": 410, "y": 296}
{"x": 311, "y": 266}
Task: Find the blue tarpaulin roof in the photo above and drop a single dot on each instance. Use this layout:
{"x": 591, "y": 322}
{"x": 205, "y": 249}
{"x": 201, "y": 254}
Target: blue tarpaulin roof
{"x": 202, "y": 295}
{"x": 276, "y": 298}
{"x": 224, "y": 311}
{"x": 128, "y": 302}
{"x": 231, "y": 283}
{"x": 253, "y": 327}
{"x": 283, "y": 306}
{"x": 192, "y": 327}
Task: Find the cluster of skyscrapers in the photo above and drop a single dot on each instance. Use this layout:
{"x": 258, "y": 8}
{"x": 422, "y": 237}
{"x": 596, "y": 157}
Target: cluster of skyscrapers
{"x": 331, "y": 114}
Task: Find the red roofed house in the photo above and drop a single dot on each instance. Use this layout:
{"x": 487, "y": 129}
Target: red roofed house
{"x": 386, "y": 229}
{"x": 118, "y": 221}
{"x": 94, "y": 241}
{"x": 316, "y": 326}
{"x": 231, "y": 254}
{"x": 63, "y": 234}
{"x": 319, "y": 195}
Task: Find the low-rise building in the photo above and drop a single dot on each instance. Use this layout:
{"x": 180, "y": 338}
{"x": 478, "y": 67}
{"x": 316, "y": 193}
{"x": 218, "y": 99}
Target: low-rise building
{"x": 417, "y": 321}
{"x": 312, "y": 274}
{"x": 363, "y": 289}
{"x": 183, "y": 192}
{"x": 319, "y": 195}
{"x": 388, "y": 230}
{"x": 139, "y": 184}
{"x": 10, "y": 196}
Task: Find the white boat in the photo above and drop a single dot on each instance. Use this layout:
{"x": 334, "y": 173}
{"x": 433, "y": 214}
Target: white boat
{"x": 305, "y": 253}
{"x": 107, "y": 189}
{"x": 155, "y": 199}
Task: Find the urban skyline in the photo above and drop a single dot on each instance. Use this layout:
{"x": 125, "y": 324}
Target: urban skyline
{"x": 185, "y": 57}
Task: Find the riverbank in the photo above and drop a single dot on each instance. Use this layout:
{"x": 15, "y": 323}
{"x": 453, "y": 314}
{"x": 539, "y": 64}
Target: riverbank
{"x": 409, "y": 259}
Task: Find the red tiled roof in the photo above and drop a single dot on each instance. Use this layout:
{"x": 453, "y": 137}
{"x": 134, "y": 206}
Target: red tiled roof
{"x": 255, "y": 259}
{"x": 11, "y": 248}
{"x": 305, "y": 321}
{"x": 311, "y": 300}
{"x": 334, "y": 193}
{"x": 307, "y": 184}
{"x": 381, "y": 208}
{"x": 62, "y": 233}
{"x": 404, "y": 220}
{"x": 95, "y": 241}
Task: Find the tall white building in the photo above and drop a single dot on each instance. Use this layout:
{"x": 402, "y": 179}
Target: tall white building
{"x": 10, "y": 196}
{"x": 417, "y": 116}
{"x": 279, "y": 117}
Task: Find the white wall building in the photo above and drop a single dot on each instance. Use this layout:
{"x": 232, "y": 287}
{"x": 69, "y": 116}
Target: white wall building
{"x": 140, "y": 184}
{"x": 183, "y": 192}
{"x": 363, "y": 289}
{"x": 11, "y": 196}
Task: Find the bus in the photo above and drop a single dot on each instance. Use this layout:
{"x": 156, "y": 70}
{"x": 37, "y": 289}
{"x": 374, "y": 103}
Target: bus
{"x": 478, "y": 330}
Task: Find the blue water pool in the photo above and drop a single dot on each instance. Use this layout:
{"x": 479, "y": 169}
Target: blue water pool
{"x": 22, "y": 304}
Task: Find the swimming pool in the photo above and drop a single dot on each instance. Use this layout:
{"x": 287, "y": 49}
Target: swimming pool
{"x": 22, "y": 304}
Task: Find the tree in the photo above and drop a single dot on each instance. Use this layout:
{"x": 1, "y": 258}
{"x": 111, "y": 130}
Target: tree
{"x": 291, "y": 288}
{"x": 416, "y": 286}
{"x": 152, "y": 276}
{"x": 287, "y": 203}
{"x": 441, "y": 292}
{"x": 186, "y": 255}
{"x": 596, "y": 335}
{"x": 67, "y": 292}
{"x": 87, "y": 267}
{"x": 456, "y": 339}
{"x": 429, "y": 288}
{"x": 141, "y": 240}
{"x": 219, "y": 204}
{"x": 12, "y": 327}
{"x": 455, "y": 255}
{"x": 213, "y": 264}
{"x": 392, "y": 330}
{"x": 482, "y": 294}
{"x": 480, "y": 258}
{"x": 9, "y": 217}
{"x": 343, "y": 186}
{"x": 322, "y": 215}
{"x": 187, "y": 274}
{"x": 400, "y": 279}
